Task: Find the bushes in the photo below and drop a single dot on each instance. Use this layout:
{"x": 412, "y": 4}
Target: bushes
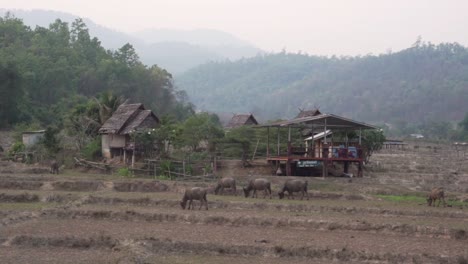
{"x": 92, "y": 150}
{"x": 125, "y": 172}
{"x": 166, "y": 167}
{"x": 16, "y": 147}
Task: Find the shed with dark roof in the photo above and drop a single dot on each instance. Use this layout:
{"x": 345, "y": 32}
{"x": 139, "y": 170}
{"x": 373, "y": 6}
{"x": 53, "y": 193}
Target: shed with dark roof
{"x": 239, "y": 120}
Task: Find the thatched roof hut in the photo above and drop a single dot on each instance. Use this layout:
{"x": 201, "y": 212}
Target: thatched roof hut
{"x": 239, "y": 120}
{"x": 307, "y": 113}
{"x": 127, "y": 118}
{"x": 117, "y": 129}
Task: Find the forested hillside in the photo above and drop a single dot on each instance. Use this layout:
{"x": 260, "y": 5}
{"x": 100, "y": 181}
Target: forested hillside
{"x": 45, "y": 73}
{"x": 424, "y": 84}
{"x": 173, "y": 50}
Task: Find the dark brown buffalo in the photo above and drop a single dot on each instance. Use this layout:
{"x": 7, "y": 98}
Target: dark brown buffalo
{"x": 195, "y": 193}
{"x": 226, "y": 182}
{"x": 259, "y": 184}
{"x": 292, "y": 186}
{"x": 436, "y": 194}
{"x": 54, "y": 167}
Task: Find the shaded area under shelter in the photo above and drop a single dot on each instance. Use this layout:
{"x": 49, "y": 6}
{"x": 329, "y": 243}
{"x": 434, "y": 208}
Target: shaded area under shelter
{"x": 320, "y": 150}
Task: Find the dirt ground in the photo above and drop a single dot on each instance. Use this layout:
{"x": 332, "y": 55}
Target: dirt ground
{"x": 380, "y": 218}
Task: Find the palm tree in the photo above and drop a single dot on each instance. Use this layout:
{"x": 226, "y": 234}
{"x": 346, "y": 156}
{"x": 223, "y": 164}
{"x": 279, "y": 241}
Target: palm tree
{"x": 107, "y": 104}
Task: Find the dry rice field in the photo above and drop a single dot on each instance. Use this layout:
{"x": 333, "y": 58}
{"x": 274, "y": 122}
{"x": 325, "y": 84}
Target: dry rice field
{"x": 380, "y": 218}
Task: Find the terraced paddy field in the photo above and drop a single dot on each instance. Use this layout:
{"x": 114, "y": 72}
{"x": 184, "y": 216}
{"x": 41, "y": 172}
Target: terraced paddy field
{"x": 381, "y": 218}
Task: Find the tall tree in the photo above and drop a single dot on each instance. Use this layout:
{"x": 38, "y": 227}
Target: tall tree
{"x": 200, "y": 129}
{"x": 11, "y": 93}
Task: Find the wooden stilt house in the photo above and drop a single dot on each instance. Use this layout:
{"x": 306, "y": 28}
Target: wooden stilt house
{"x": 116, "y": 131}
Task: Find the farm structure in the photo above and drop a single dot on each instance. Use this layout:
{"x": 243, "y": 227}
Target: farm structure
{"x": 320, "y": 147}
{"x": 32, "y": 137}
{"x": 117, "y": 131}
{"x": 239, "y": 120}
{"x": 394, "y": 144}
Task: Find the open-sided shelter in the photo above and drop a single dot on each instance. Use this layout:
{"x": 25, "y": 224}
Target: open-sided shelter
{"x": 322, "y": 152}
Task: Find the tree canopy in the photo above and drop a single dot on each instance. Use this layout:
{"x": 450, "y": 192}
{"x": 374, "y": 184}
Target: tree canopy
{"x": 414, "y": 88}
{"x": 42, "y": 70}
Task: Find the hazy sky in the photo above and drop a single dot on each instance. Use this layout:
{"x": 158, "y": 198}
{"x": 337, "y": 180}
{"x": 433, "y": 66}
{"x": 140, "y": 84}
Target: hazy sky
{"x": 323, "y": 27}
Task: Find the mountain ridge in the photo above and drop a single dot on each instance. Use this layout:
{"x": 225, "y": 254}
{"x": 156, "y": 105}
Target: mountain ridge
{"x": 112, "y": 39}
{"x": 423, "y": 83}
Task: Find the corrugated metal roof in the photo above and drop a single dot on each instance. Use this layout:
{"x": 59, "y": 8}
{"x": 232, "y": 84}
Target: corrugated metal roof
{"x": 322, "y": 120}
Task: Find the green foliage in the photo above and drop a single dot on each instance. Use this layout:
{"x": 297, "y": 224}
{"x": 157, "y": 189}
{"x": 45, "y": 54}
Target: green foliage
{"x": 125, "y": 172}
{"x": 92, "y": 150}
{"x": 43, "y": 68}
{"x": 11, "y": 93}
{"x": 16, "y": 147}
{"x": 403, "y": 198}
{"x": 19, "y": 128}
{"x": 163, "y": 177}
{"x": 50, "y": 140}
{"x": 197, "y": 156}
{"x": 422, "y": 84}
{"x": 372, "y": 141}
{"x": 200, "y": 129}
{"x": 165, "y": 134}
{"x": 167, "y": 167}
{"x": 189, "y": 169}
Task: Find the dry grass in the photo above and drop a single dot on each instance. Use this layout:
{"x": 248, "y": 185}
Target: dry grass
{"x": 377, "y": 219}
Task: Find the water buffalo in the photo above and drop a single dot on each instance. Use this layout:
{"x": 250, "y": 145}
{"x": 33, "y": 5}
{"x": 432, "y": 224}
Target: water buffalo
{"x": 436, "y": 194}
{"x": 258, "y": 185}
{"x": 226, "y": 182}
{"x": 292, "y": 186}
{"x": 54, "y": 167}
{"x": 195, "y": 193}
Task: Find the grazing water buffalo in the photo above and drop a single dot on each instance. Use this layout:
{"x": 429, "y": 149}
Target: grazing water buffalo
{"x": 54, "y": 167}
{"x": 292, "y": 186}
{"x": 258, "y": 185}
{"x": 226, "y": 182}
{"x": 436, "y": 194}
{"x": 195, "y": 193}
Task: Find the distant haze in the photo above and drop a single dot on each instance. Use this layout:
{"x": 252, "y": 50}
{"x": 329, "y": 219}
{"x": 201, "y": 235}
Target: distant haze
{"x": 321, "y": 27}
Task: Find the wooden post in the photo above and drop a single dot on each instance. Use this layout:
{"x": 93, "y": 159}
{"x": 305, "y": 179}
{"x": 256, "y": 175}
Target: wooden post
{"x": 360, "y": 174}
{"x": 325, "y": 131}
{"x": 289, "y": 152}
{"x": 183, "y": 167}
{"x": 325, "y": 151}
{"x": 134, "y": 149}
{"x": 360, "y": 135}
{"x": 325, "y": 160}
{"x": 255, "y": 151}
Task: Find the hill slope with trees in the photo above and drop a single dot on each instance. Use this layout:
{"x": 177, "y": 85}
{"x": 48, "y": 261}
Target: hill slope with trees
{"x": 420, "y": 86}
{"x": 45, "y": 72}
{"x": 173, "y": 50}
